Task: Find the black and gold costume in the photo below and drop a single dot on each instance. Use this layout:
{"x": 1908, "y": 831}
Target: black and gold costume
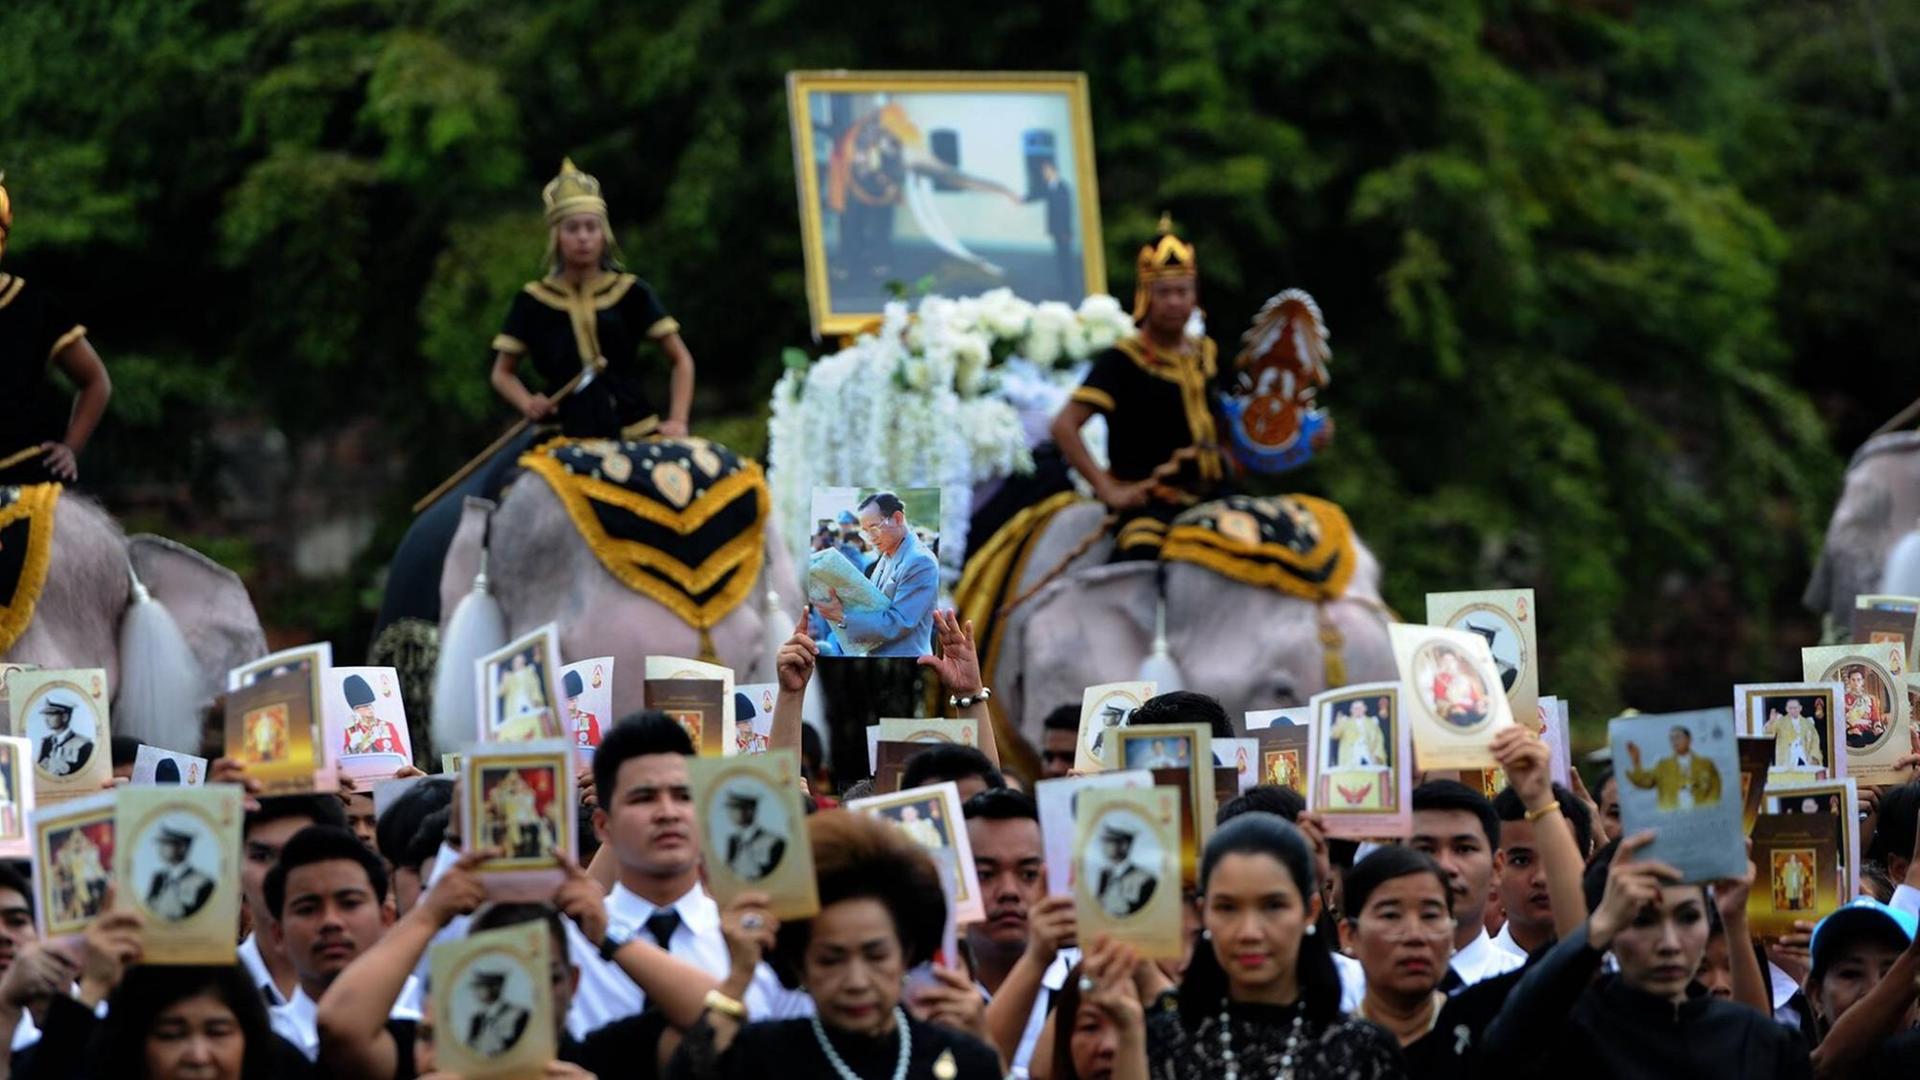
{"x": 1158, "y": 405}
{"x": 34, "y": 327}
{"x": 562, "y": 328}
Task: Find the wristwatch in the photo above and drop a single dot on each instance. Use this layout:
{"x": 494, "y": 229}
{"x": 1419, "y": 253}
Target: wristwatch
{"x": 615, "y": 940}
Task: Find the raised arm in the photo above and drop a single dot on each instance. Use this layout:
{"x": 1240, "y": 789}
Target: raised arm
{"x": 793, "y": 668}
{"x": 1524, "y": 757}
{"x": 352, "y": 1014}
{"x": 1050, "y": 924}
{"x": 678, "y": 988}
{"x": 1749, "y": 982}
{"x": 958, "y": 665}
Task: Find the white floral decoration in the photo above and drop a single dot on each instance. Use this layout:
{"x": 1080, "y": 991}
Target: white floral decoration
{"x": 949, "y": 394}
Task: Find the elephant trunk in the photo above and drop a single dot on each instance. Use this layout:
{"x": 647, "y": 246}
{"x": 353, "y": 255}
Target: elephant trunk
{"x": 478, "y": 627}
{"x": 160, "y": 693}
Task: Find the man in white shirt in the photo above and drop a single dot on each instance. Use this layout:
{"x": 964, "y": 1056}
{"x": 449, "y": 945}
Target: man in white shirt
{"x": 1521, "y": 873}
{"x": 264, "y": 833}
{"x": 646, "y": 819}
{"x": 1018, "y": 953}
{"x": 327, "y": 895}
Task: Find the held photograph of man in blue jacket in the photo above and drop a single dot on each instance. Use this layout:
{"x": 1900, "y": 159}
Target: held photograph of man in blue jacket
{"x": 906, "y": 573}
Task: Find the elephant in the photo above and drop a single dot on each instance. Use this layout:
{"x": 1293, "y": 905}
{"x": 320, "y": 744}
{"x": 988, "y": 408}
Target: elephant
{"x": 1252, "y": 648}
{"x": 92, "y": 613}
{"x": 1879, "y": 505}
{"x": 541, "y": 571}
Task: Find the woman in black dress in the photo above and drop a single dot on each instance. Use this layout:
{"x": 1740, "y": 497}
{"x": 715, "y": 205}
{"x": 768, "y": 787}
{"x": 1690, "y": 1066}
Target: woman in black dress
{"x": 1261, "y": 997}
{"x": 882, "y": 913}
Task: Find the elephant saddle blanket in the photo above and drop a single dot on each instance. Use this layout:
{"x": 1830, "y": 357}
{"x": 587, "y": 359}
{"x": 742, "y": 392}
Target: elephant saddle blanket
{"x": 680, "y": 521}
{"x": 1297, "y": 544}
{"x": 26, "y": 546}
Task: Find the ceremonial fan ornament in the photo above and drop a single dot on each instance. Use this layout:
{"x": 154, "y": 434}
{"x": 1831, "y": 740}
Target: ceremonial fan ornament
{"x": 1271, "y": 412}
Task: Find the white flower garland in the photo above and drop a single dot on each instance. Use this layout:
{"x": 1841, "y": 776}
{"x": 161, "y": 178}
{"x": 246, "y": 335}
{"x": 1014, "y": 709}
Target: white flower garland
{"x": 934, "y": 399}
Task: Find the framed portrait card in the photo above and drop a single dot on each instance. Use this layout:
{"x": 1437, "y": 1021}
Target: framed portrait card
{"x": 1452, "y": 694}
{"x": 63, "y": 717}
{"x": 586, "y": 687}
{"x": 518, "y": 798}
{"x": 1509, "y": 622}
{"x": 1360, "y": 777}
{"x": 721, "y": 743}
{"x": 273, "y": 730}
{"x": 699, "y": 706}
{"x": 1285, "y": 753}
{"x": 1839, "y": 799}
{"x": 1179, "y": 756}
{"x": 6, "y": 709}
{"x": 753, "y": 830}
{"x": 72, "y": 862}
{"x": 1678, "y": 775}
{"x": 493, "y": 1003}
{"x": 518, "y": 688}
{"x": 1873, "y": 718}
{"x": 930, "y": 816}
{"x": 1799, "y": 720}
{"x": 1796, "y": 873}
{"x": 1104, "y": 709}
{"x": 1127, "y": 873}
{"x": 366, "y": 723}
{"x": 16, "y": 798}
{"x": 1059, "y": 804}
{"x": 177, "y": 858}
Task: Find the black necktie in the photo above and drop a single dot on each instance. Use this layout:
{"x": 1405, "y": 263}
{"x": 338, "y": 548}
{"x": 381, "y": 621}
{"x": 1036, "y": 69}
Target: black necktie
{"x": 662, "y": 924}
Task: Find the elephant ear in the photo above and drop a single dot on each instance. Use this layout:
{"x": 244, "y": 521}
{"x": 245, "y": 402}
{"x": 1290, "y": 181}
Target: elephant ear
{"x": 208, "y": 602}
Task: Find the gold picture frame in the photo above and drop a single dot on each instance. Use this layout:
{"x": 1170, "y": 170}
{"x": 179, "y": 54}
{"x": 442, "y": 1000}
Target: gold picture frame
{"x": 827, "y": 134}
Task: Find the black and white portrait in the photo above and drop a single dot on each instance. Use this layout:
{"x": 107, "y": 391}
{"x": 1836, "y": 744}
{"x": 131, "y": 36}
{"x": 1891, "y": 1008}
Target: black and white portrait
{"x": 1122, "y": 867}
{"x": 175, "y": 865}
{"x": 751, "y": 827}
{"x": 62, "y": 725}
{"x": 493, "y": 1003}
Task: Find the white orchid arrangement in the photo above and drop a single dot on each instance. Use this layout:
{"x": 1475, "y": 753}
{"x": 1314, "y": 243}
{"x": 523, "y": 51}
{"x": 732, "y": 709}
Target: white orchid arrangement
{"x": 934, "y": 398}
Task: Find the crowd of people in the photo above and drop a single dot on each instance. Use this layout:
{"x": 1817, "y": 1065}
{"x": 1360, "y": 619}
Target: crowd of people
{"x": 1520, "y": 935}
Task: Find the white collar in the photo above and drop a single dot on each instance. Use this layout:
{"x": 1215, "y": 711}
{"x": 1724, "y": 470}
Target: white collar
{"x": 1780, "y": 985}
{"x": 1504, "y": 940}
{"x": 256, "y": 966}
{"x": 698, "y": 912}
{"x": 1467, "y": 961}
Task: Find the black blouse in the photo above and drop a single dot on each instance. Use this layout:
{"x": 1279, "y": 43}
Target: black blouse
{"x": 787, "y": 1048}
{"x": 1349, "y": 1049}
{"x": 563, "y": 328}
{"x": 1155, "y": 403}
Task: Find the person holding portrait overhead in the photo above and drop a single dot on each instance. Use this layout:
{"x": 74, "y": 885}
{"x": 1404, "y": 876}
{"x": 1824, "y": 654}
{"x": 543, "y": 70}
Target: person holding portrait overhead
{"x": 1682, "y": 780}
{"x": 906, "y": 573}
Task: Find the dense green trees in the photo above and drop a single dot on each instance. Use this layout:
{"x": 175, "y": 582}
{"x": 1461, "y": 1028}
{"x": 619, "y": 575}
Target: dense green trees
{"x": 1599, "y": 275}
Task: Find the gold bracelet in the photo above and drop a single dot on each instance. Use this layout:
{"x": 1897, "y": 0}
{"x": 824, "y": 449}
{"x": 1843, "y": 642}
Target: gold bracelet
{"x": 1551, "y": 808}
{"x": 725, "y": 1006}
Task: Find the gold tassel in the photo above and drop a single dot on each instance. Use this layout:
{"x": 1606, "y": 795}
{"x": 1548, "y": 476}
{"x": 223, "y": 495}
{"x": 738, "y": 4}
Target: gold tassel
{"x": 708, "y": 655}
{"x": 1333, "y": 661}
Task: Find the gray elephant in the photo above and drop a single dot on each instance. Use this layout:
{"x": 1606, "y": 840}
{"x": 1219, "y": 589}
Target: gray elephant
{"x": 1879, "y": 505}
{"x": 164, "y": 621}
{"x": 1250, "y": 647}
{"x": 540, "y": 570}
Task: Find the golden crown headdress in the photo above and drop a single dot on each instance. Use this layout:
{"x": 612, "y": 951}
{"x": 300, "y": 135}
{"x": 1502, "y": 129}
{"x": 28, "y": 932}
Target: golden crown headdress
{"x": 6, "y": 213}
{"x": 572, "y": 192}
{"x": 1166, "y": 258}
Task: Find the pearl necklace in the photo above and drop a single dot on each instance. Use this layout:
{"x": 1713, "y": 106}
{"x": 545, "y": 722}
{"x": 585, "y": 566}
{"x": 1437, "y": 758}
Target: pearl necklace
{"x": 840, "y": 1067}
{"x": 1231, "y": 1067}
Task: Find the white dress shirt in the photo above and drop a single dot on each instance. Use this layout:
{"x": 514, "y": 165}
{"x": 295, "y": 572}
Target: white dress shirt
{"x": 1905, "y": 898}
{"x": 607, "y": 994}
{"x": 298, "y": 1020}
{"x": 257, "y": 972}
{"x": 1504, "y": 941}
{"x": 1781, "y": 988}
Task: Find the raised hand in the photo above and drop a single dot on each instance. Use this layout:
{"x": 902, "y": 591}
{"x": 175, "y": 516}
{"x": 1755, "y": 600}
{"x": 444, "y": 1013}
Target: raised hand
{"x": 1632, "y": 884}
{"x": 750, "y": 930}
{"x": 953, "y": 1002}
{"x": 460, "y": 890}
{"x": 957, "y": 661}
{"x": 1524, "y": 758}
{"x": 797, "y": 657}
{"x": 581, "y": 899}
{"x": 1051, "y": 926}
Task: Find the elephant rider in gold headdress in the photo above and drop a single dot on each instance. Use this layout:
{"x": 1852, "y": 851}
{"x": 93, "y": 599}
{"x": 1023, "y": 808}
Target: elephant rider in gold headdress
{"x": 586, "y": 311}
{"x": 1156, "y": 390}
{"x": 43, "y": 438}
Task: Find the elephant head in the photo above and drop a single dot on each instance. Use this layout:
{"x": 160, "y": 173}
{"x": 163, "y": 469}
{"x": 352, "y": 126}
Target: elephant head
{"x": 1252, "y": 648}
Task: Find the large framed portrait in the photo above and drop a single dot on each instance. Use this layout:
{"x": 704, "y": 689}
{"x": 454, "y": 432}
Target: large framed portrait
{"x": 518, "y": 799}
{"x": 961, "y": 182}
{"x": 73, "y": 846}
{"x": 1127, "y": 865}
{"x": 1505, "y": 618}
{"x": 177, "y": 859}
{"x": 753, "y": 830}
{"x": 63, "y": 717}
{"x": 1359, "y": 776}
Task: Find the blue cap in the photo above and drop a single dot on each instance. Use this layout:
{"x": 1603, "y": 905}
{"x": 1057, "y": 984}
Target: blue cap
{"x": 1863, "y": 916}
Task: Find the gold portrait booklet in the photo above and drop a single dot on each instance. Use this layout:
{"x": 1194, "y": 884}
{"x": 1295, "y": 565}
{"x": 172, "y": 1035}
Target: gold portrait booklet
{"x": 1838, "y": 798}
{"x": 963, "y": 731}
{"x": 493, "y": 1003}
{"x": 753, "y": 830}
{"x": 1452, "y": 695}
{"x": 1103, "y": 710}
{"x": 1796, "y": 873}
{"x": 1359, "y": 776}
{"x": 1873, "y": 720}
{"x": 177, "y": 858}
{"x": 722, "y": 743}
{"x": 1179, "y": 756}
{"x": 63, "y": 717}
{"x": 72, "y": 862}
{"x": 519, "y": 799}
{"x": 273, "y": 730}
{"x": 1679, "y": 775}
{"x": 1799, "y": 720}
{"x": 1510, "y": 623}
{"x": 1127, "y": 881}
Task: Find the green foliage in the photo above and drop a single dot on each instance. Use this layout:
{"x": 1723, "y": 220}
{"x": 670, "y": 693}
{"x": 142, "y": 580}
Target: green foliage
{"x": 1580, "y": 261}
